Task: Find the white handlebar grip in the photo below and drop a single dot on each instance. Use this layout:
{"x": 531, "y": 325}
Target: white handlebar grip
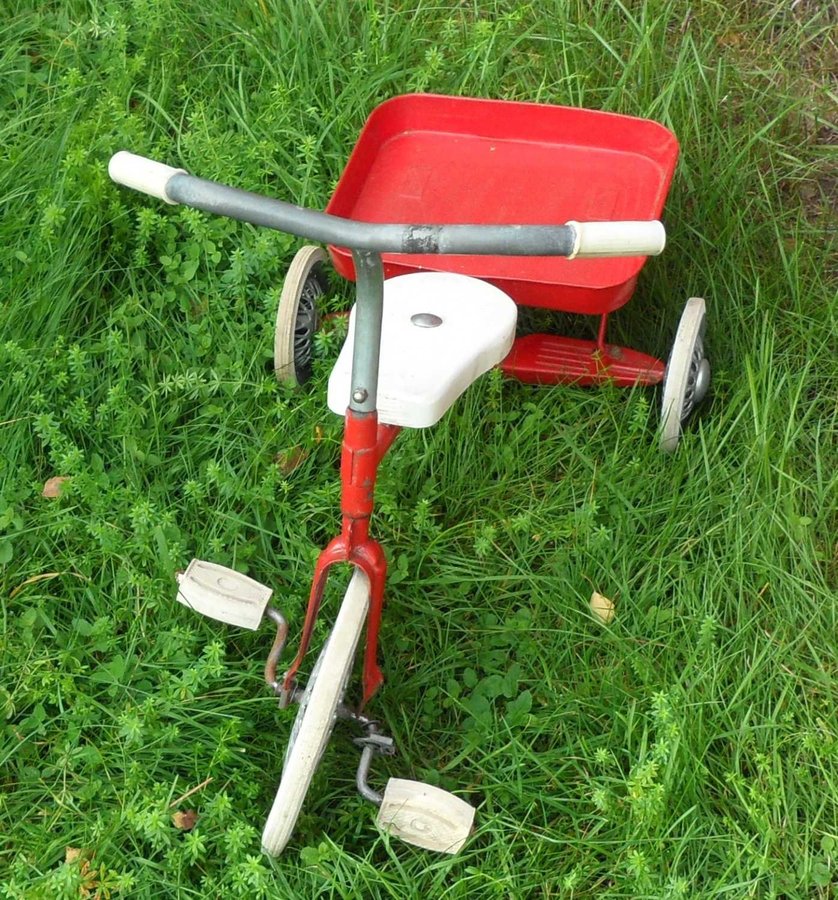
{"x": 618, "y": 239}
{"x": 142, "y": 174}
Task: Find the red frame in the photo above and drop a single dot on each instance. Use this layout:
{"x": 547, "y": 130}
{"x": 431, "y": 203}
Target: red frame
{"x": 365, "y": 443}
{"x": 418, "y": 159}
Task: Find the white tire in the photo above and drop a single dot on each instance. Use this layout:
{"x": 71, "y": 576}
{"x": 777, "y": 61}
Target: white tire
{"x": 316, "y": 715}
{"x": 687, "y": 373}
{"x": 296, "y": 315}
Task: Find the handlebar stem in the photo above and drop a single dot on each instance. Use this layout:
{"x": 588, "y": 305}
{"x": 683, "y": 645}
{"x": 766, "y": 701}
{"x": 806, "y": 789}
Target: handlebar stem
{"x": 369, "y": 310}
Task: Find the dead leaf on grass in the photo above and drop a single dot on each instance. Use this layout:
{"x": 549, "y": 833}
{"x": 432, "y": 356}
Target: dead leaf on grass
{"x": 44, "y": 576}
{"x": 730, "y": 39}
{"x": 54, "y": 486}
{"x": 602, "y": 607}
{"x": 89, "y": 885}
{"x": 185, "y": 820}
{"x": 291, "y": 459}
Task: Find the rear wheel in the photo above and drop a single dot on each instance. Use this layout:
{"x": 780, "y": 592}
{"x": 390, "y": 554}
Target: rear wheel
{"x": 297, "y": 316}
{"x": 316, "y": 715}
{"x": 687, "y": 376}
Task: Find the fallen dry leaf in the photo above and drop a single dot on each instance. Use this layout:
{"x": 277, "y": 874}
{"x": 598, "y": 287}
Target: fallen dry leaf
{"x": 89, "y": 886}
{"x": 54, "y": 486}
{"x": 185, "y": 820}
{"x": 291, "y": 459}
{"x": 730, "y": 39}
{"x": 602, "y": 607}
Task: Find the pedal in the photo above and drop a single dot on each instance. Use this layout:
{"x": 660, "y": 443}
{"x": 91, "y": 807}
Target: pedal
{"x": 425, "y": 816}
{"x": 223, "y": 594}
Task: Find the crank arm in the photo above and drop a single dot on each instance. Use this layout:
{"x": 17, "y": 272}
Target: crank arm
{"x": 372, "y": 744}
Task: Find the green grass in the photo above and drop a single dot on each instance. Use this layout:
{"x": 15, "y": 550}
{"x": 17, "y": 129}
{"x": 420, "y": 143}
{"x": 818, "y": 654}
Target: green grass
{"x": 689, "y": 748}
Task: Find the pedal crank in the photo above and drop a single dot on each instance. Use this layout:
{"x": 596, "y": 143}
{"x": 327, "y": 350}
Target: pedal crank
{"x": 372, "y": 744}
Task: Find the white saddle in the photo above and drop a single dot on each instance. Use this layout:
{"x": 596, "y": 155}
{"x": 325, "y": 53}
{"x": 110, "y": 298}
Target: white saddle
{"x": 439, "y": 333}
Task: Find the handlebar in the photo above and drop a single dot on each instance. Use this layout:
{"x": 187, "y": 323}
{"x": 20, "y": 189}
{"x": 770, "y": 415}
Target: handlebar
{"x": 571, "y": 240}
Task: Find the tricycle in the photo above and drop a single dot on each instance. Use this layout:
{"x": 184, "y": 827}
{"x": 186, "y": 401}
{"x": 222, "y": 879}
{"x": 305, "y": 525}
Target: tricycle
{"x": 436, "y": 307}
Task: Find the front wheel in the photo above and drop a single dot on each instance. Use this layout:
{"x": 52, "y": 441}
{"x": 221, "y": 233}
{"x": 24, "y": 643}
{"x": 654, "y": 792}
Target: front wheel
{"x": 687, "y": 376}
{"x": 316, "y": 715}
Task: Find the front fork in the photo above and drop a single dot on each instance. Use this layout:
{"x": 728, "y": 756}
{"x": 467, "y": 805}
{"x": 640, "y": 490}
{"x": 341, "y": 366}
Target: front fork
{"x": 365, "y": 443}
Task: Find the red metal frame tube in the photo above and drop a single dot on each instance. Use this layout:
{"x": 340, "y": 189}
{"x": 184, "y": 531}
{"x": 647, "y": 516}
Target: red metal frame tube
{"x": 365, "y": 443}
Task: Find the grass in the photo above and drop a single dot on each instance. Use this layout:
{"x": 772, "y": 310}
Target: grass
{"x": 689, "y": 748}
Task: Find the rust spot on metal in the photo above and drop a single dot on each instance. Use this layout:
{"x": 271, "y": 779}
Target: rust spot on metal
{"x": 422, "y": 239}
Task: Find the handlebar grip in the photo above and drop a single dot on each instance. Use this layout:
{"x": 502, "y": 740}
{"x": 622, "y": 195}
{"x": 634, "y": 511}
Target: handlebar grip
{"x": 618, "y": 239}
{"x": 142, "y": 174}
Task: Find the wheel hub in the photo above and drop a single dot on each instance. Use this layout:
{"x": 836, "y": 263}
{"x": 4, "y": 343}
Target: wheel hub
{"x": 698, "y": 380}
{"x": 305, "y": 326}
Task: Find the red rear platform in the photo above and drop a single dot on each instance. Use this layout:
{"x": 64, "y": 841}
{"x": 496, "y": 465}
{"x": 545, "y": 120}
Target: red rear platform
{"x": 424, "y": 158}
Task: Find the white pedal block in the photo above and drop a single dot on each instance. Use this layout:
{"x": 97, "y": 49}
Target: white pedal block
{"x": 425, "y": 816}
{"x": 223, "y": 594}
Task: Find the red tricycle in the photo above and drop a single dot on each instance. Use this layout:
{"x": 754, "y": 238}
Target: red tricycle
{"x": 436, "y": 308}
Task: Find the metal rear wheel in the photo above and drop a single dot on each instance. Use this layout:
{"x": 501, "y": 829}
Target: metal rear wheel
{"x": 297, "y": 316}
{"x": 687, "y": 378}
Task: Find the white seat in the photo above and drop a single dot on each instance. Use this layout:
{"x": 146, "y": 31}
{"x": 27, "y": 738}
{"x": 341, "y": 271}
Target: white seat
{"x": 439, "y": 333}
